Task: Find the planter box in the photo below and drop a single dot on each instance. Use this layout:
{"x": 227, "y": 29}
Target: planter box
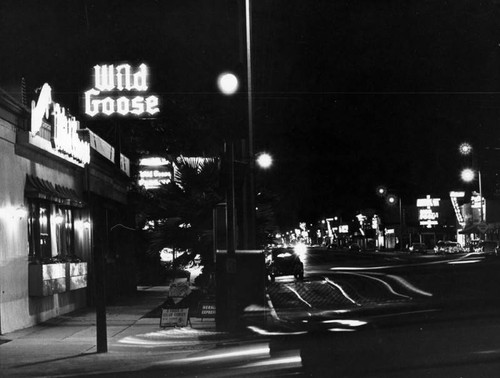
{"x": 76, "y": 274}
{"x": 47, "y": 279}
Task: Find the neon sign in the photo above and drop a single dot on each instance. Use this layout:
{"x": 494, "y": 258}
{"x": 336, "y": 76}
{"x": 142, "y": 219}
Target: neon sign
{"x": 111, "y": 83}
{"x": 64, "y": 132}
{"x": 426, "y": 215}
{"x": 154, "y": 172}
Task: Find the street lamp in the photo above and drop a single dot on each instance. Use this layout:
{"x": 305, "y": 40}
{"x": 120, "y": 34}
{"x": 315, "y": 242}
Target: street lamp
{"x": 228, "y": 83}
{"x": 465, "y": 148}
{"x": 392, "y": 200}
{"x": 264, "y": 160}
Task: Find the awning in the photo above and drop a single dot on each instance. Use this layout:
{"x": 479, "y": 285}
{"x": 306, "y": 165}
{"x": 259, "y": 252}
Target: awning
{"x": 43, "y": 189}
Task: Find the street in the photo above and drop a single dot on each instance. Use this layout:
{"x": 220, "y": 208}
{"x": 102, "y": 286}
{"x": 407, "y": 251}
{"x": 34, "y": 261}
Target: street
{"x": 389, "y": 314}
{"x": 362, "y": 314}
{"x": 368, "y": 314}
{"x": 355, "y": 314}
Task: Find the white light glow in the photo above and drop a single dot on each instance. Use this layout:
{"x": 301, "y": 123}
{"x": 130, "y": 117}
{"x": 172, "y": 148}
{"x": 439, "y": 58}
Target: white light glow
{"x": 391, "y": 199}
{"x": 465, "y": 148}
{"x": 468, "y": 175}
{"x": 347, "y": 322}
{"x": 263, "y": 332}
{"x": 228, "y": 83}
{"x": 222, "y": 356}
{"x": 154, "y": 162}
{"x": 300, "y": 250}
{"x": 264, "y": 160}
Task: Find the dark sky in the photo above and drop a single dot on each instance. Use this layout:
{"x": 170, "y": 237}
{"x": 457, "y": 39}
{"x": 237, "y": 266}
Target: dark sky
{"x": 347, "y": 94}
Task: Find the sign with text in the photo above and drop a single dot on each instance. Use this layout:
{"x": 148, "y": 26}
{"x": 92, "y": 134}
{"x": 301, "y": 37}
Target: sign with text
{"x": 207, "y": 309}
{"x": 426, "y": 214}
{"x": 154, "y": 172}
{"x": 64, "y": 137}
{"x": 120, "y": 90}
{"x": 174, "y": 317}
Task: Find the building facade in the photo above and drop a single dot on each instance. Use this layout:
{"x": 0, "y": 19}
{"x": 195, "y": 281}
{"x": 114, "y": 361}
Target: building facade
{"x": 61, "y": 193}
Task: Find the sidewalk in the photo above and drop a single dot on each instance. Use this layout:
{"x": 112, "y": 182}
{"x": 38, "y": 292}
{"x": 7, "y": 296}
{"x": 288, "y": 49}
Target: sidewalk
{"x": 66, "y": 345}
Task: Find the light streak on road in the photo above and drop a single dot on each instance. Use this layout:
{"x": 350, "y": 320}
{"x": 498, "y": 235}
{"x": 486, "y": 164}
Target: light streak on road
{"x": 290, "y": 362}
{"x": 298, "y": 295}
{"x": 464, "y": 262}
{"x": 341, "y": 290}
{"x": 259, "y": 350}
{"x": 347, "y": 322}
{"x": 409, "y": 286}
{"x": 381, "y": 267}
{"x": 384, "y": 283}
{"x": 341, "y": 330}
{"x": 263, "y": 332}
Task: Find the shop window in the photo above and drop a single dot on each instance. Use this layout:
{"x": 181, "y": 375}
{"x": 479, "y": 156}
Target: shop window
{"x": 50, "y": 232}
{"x": 64, "y": 231}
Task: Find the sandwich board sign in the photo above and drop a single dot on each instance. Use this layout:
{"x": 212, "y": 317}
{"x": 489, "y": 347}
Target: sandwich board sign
{"x": 174, "y": 317}
{"x": 207, "y": 309}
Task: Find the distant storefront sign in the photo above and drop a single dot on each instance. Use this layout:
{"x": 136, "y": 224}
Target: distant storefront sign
{"x": 120, "y": 90}
{"x": 154, "y": 172}
{"x": 454, "y": 195}
{"x": 64, "y": 138}
{"x": 427, "y": 213}
{"x": 344, "y": 229}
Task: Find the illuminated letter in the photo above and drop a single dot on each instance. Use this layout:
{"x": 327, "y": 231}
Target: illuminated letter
{"x": 104, "y": 77}
{"x": 108, "y": 106}
{"x": 41, "y": 108}
{"x": 122, "y": 105}
{"x": 91, "y": 106}
{"x": 152, "y": 105}
{"x": 138, "y": 105}
{"x": 140, "y": 78}
{"x": 123, "y": 71}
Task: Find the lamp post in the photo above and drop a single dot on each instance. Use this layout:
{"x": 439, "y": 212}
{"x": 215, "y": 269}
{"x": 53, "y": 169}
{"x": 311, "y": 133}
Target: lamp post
{"x": 250, "y": 235}
{"x": 392, "y": 199}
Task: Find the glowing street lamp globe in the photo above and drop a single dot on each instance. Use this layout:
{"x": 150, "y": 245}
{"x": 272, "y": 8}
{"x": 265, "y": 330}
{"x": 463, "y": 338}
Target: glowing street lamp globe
{"x": 381, "y": 191}
{"x": 467, "y": 175}
{"x": 392, "y": 199}
{"x": 228, "y": 83}
{"x": 264, "y": 160}
{"x": 465, "y": 149}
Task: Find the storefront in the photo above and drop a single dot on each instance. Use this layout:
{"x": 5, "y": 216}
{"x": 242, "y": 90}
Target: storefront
{"x": 56, "y": 185}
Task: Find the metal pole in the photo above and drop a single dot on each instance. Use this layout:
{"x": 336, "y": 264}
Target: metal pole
{"x": 481, "y": 215}
{"x": 251, "y": 172}
{"x": 99, "y": 289}
{"x": 400, "y": 225}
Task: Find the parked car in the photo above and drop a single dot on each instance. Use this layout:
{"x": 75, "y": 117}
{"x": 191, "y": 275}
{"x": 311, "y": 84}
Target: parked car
{"x": 440, "y": 247}
{"x": 487, "y": 246}
{"x": 418, "y": 248}
{"x": 453, "y": 247}
{"x": 444, "y": 247}
{"x": 284, "y": 262}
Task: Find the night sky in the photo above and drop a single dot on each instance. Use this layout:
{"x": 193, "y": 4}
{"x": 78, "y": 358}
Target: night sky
{"x": 348, "y": 95}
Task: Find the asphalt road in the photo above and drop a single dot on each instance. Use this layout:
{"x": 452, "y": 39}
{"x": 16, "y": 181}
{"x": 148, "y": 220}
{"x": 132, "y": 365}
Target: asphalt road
{"x": 391, "y": 314}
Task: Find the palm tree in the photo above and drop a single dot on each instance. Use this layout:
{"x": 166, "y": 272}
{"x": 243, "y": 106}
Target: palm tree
{"x": 184, "y": 208}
